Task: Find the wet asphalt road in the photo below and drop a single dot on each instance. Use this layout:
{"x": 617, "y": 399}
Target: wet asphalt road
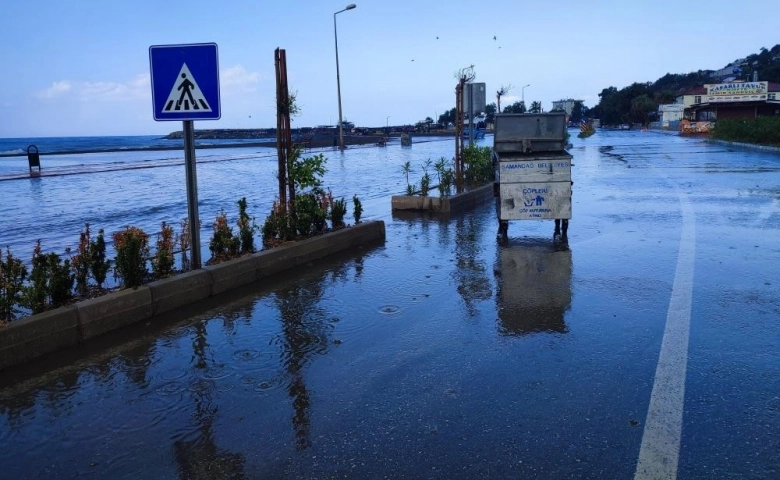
{"x": 650, "y": 349}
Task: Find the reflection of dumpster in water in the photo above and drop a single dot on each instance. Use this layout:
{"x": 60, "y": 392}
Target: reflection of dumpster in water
{"x": 534, "y": 288}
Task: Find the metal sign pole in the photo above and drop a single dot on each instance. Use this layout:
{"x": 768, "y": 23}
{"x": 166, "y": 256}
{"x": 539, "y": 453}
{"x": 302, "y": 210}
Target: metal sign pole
{"x": 192, "y": 191}
{"x": 471, "y": 114}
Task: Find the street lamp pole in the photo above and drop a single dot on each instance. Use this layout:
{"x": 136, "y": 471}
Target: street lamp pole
{"x": 522, "y": 94}
{"x": 338, "y": 79}
{"x": 387, "y": 121}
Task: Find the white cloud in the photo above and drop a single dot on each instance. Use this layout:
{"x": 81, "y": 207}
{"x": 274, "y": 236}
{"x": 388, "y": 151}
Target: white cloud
{"x": 135, "y": 89}
{"x": 238, "y": 80}
{"x": 57, "y": 89}
{"x": 509, "y": 100}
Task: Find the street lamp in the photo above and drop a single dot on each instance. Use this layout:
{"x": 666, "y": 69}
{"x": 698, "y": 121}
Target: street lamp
{"x": 338, "y": 80}
{"x": 522, "y": 93}
{"x": 387, "y": 121}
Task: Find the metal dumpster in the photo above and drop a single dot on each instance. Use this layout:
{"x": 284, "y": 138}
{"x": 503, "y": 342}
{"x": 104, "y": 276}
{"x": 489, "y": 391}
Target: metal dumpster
{"x": 532, "y": 170}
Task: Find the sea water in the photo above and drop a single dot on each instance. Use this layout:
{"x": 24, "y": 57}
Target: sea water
{"x": 139, "y": 181}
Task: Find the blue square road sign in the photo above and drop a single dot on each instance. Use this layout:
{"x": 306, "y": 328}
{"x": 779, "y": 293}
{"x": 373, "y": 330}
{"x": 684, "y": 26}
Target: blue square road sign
{"x": 185, "y": 82}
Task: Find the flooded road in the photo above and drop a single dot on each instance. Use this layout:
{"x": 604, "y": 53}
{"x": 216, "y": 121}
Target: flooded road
{"x": 444, "y": 354}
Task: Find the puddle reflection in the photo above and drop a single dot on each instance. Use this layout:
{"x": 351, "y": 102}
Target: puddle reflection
{"x": 534, "y": 287}
{"x": 472, "y": 272}
{"x": 305, "y": 329}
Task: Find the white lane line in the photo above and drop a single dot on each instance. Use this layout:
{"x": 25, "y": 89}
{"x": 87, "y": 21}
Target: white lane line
{"x": 660, "y": 450}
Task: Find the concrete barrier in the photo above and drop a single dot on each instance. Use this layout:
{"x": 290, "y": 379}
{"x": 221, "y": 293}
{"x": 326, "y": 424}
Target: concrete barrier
{"x": 109, "y": 312}
{"x": 46, "y": 332}
{"x": 39, "y": 334}
{"x": 747, "y": 146}
{"x": 453, "y": 204}
{"x": 183, "y": 289}
{"x": 233, "y": 273}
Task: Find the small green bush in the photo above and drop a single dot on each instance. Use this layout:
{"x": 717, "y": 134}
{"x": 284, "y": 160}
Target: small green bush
{"x": 338, "y": 210}
{"x": 358, "y": 209}
{"x": 223, "y": 245}
{"x": 163, "y": 261}
{"x": 310, "y": 217}
{"x": 12, "y": 276}
{"x": 132, "y": 251}
{"x": 98, "y": 265}
{"x": 759, "y": 130}
{"x": 80, "y": 261}
{"x": 246, "y": 228}
{"x": 277, "y": 226}
{"x": 478, "y": 167}
{"x": 51, "y": 281}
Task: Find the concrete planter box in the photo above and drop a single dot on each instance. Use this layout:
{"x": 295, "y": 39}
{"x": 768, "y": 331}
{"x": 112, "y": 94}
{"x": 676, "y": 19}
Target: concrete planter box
{"x": 233, "y": 273}
{"x": 109, "y": 312}
{"x": 34, "y": 336}
{"x": 171, "y": 293}
{"x": 39, "y": 334}
{"x": 452, "y": 204}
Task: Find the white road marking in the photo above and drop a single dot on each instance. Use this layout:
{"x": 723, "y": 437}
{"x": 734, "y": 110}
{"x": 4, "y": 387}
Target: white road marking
{"x": 660, "y": 450}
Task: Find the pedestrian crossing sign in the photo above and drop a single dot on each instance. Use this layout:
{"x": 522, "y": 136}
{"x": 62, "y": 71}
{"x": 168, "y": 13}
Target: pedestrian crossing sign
{"x": 185, "y": 82}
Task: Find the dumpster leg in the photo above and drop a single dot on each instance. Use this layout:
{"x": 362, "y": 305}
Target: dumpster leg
{"x": 503, "y": 228}
{"x": 560, "y": 236}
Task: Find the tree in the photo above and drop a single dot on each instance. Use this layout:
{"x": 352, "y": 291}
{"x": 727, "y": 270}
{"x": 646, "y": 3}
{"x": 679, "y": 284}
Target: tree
{"x": 641, "y": 109}
{"x": 517, "y": 107}
{"x": 577, "y": 112}
{"x": 664, "y": 97}
{"x": 536, "y": 107}
{"x": 500, "y": 93}
{"x": 448, "y": 117}
{"x": 490, "y": 112}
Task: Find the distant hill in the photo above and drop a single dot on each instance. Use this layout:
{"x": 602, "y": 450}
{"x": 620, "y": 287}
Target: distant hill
{"x": 766, "y": 63}
{"x": 639, "y": 102}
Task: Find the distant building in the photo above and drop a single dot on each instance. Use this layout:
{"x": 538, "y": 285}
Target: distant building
{"x": 670, "y": 115}
{"x": 565, "y": 105}
{"x": 712, "y": 102}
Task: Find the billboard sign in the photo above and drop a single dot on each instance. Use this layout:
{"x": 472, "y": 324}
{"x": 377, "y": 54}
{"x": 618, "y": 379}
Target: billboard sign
{"x": 737, "y": 92}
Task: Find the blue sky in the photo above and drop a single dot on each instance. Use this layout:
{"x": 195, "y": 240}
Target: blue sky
{"x": 82, "y": 67}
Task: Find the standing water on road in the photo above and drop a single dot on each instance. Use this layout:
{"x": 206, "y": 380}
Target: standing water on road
{"x": 440, "y": 353}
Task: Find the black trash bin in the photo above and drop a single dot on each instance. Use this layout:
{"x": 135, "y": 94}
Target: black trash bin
{"x": 34, "y": 159}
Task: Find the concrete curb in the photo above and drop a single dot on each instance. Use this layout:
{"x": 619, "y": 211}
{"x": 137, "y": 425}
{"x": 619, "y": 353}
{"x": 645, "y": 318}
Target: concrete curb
{"x": 455, "y": 203}
{"x": 71, "y": 325}
{"x": 30, "y": 337}
{"x": 747, "y": 146}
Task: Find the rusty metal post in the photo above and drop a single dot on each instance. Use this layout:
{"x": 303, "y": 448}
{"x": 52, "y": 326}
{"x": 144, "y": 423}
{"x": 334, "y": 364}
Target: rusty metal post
{"x": 284, "y": 144}
{"x": 459, "y": 134}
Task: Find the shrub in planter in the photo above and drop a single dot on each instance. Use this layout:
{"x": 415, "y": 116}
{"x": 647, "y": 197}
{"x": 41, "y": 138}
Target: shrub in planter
{"x": 163, "y": 261}
{"x": 98, "y": 265}
{"x": 358, "y": 210}
{"x": 425, "y": 184}
{"x": 446, "y": 177}
{"x": 223, "y": 245}
{"x": 246, "y": 228}
{"x": 309, "y": 215}
{"x": 478, "y": 166}
{"x": 338, "y": 210}
{"x": 132, "y": 250}
{"x": 184, "y": 243}
{"x": 12, "y": 275}
{"x": 80, "y": 262}
{"x": 51, "y": 281}
{"x": 277, "y": 226}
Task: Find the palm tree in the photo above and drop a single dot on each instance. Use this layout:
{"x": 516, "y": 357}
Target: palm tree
{"x": 500, "y": 93}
